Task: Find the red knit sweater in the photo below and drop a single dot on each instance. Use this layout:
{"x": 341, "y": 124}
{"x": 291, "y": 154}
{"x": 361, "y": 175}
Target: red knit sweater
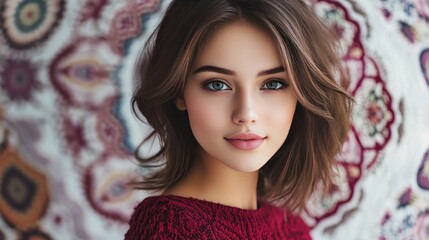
{"x": 174, "y": 217}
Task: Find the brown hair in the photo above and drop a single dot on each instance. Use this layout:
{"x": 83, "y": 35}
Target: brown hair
{"x": 308, "y": 50}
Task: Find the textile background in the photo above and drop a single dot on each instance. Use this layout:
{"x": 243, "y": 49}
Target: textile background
{"x": 67, "y": 134}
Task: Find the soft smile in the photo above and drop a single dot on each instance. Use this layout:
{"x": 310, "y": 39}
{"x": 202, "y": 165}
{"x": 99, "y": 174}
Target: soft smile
{"x": 245, "y": 141}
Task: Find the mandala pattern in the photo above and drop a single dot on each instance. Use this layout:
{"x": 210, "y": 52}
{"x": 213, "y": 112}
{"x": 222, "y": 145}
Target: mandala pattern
{"x": 65, "y": 119}
{"x": 19, "y": 79}
{"x": 27, "y": 23}
{"x": 111, "y": 133}
{"x": 82, "y": 73}
{"x": 78, "y": 128}
{"x": 24, "y": 193}
{"x": 127, "y": 22}
{"x": 112, "y": 194}
{"x": 372, "y": 116}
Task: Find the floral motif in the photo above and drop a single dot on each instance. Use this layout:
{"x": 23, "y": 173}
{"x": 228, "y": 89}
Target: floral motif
{"x": 334, "y": 18}
{"x": 372, "y": 120}
{"x": 17, "y": 189}
{"x": 82, "y": 73}
{"x": 106, "y": 187}
{"x": 111, "y": 132}
{"x": 19, "y": 79}
{"x": 74, "y": 123}
{"x": 26, "y": 23}
{"x": 23, "y": 193}
{"x": 372, "y": 114}
{"x": 322, "y": 206}
{"x": 127, "y": 22}
{"x": 85, "y": 105}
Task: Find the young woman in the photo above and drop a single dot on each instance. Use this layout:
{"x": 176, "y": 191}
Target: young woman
{"x": 246, "y": 101}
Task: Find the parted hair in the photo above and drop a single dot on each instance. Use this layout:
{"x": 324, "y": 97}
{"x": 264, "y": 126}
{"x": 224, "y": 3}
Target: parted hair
{"x": 309, "y": 52}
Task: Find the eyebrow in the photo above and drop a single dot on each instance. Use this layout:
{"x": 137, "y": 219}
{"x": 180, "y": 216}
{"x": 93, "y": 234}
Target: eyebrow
{"x": 209, "y": 68}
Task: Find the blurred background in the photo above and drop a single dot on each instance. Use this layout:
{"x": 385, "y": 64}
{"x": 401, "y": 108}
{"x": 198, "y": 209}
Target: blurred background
{"x": 67, "y": 134}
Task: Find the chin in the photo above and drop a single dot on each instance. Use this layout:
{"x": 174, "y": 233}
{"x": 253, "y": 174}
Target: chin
{"x": 246, "y": 168}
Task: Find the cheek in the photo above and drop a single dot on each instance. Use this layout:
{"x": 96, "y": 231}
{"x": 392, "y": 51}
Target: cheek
{"x": 206, "y": 115}
{"x": 280, "y": 111}
{"x": 284, "y": 115}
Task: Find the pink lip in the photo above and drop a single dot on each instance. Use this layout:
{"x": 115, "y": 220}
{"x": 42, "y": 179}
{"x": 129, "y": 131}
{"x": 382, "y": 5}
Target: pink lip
{"x": 245, "y": 141}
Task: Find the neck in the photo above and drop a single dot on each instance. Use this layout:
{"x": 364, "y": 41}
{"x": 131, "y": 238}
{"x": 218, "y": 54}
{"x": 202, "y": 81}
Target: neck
{"x": 211, "y": 180}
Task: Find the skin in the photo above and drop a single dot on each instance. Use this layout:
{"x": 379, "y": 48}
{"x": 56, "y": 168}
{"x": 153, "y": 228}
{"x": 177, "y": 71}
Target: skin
{"x": 238, "y": 86}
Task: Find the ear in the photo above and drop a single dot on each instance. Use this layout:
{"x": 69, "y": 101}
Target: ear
{"x": 180, "y": 103}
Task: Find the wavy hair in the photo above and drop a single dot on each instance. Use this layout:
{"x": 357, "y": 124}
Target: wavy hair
{"x": 309, "y": 53}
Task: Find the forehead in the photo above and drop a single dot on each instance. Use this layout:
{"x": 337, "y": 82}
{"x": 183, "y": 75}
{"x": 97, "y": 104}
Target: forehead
{"x": 238, "y": 45}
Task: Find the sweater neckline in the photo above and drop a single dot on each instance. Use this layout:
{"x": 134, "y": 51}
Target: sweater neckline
{"x": 262, "y": 207}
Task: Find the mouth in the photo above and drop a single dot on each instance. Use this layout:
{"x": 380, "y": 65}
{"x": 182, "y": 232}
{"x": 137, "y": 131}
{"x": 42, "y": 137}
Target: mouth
{"x": 246, "y": 141}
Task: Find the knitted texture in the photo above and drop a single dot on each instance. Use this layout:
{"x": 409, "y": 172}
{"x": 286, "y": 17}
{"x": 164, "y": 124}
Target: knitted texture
{"x": 174, "y": 217}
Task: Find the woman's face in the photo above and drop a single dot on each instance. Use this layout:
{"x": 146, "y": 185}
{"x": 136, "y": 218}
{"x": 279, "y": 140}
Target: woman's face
{"x": 238, "y": 99}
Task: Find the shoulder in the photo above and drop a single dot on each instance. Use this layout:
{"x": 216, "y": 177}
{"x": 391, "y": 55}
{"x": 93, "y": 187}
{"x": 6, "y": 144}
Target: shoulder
{"x": 291, "y": 226}
{"x": 164, "y": 217}
{"x": 297, "y": 228}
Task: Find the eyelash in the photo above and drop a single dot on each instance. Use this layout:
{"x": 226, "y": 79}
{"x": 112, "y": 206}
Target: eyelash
{"x": 282, "y": 83}
{"x": 207, "y": 84}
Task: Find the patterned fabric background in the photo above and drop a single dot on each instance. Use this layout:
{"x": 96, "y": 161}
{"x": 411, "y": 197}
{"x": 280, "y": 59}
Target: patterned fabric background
{"x": 67, "y": 133}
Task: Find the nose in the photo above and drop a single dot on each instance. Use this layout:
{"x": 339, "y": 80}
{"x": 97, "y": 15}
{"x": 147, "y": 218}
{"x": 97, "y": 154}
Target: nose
{"x": 245, "y": 108}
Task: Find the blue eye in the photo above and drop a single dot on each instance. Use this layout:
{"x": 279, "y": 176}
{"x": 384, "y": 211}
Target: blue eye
{"x": 216, "y": 85}
{"x": 274, "y": 85}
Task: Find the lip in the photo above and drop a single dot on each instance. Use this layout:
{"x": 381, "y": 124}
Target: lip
{"x": 245, "y": 141}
